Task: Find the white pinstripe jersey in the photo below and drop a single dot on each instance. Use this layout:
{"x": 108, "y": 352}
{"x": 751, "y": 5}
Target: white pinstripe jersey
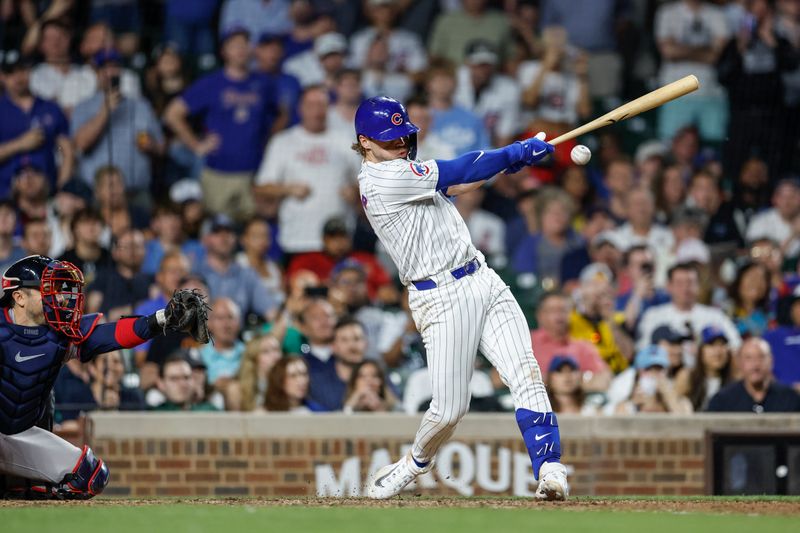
{"x": 419, "y": 227}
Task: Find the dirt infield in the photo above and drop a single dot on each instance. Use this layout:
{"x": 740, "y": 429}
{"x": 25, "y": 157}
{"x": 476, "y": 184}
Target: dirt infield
{"x": 711, "y": 505}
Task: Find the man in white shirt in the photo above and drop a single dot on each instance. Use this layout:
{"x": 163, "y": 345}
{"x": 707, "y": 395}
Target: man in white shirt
{"x": 493, "y": 96}
{"x": 780, "y": 223}
{"x": 691, "y": 34}
{"x": 684, "y": 314}
{"x": 311, "y": 169}
{"x": 406, "y": 53}
{"x": 58, "y": 78}
{"x": 641, "y": 226}
{"x": 320, "y": 64}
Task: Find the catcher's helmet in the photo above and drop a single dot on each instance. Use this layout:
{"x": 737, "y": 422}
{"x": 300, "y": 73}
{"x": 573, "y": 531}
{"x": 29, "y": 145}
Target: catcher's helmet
{"x": 61, "y": 286}
{"x": 385, "y": 119}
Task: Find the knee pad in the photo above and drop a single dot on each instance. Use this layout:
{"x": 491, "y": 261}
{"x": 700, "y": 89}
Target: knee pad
{"x": 540, "y": 433}
{"x": 87, "y": 479}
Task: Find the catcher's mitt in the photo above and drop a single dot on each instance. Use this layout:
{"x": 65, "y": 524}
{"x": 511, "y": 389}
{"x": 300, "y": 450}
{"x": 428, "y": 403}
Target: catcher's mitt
{"x": 187, "y": 311}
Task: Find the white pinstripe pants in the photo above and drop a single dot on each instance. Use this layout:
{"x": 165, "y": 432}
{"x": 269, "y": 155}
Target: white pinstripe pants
{"x": 455, "y": 320}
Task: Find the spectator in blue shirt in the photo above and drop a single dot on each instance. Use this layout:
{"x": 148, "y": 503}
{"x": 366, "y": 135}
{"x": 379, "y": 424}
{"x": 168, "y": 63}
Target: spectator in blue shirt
{"x": 190, "y": 26}
{"x": 329, "y": 379}
{"x": 166, "y": 225}
{"x": 128, "y": 125}
{"x": 785, "y": 343}
{"x": 223, "y": 357}
{"x": 30, "y": 126}
{"x": 269, "y": 55}
{"x": 228, "y": 279}
{"x": 462, "y": 128}
{"x": 237, "y": 107}
{"x": 257, "y": 16}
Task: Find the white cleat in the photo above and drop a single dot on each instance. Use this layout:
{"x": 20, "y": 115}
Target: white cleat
{"x": 392, "y": 479}
{"x": 553, "y": 484}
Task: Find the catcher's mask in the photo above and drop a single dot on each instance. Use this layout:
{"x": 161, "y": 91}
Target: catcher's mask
{"x": 62, "y": 298}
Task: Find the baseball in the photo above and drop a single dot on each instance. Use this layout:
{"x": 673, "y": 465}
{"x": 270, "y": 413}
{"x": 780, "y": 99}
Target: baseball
{"x": 580, "y": 155}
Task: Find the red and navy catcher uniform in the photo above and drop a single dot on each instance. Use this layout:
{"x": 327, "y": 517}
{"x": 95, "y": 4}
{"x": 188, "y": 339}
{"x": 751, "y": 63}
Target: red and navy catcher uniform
{"x": 32, "y": 351}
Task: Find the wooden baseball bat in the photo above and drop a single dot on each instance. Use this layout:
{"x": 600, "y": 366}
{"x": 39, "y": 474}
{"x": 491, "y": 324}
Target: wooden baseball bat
{"x": 660, "y": 96}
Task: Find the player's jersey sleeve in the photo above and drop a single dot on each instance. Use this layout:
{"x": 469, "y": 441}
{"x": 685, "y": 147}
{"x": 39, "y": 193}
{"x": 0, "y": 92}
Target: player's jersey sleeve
{"x": 402, "y": 181}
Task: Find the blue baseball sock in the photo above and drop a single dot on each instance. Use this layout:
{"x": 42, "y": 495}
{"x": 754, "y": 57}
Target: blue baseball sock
{"x": 540, "y": 433}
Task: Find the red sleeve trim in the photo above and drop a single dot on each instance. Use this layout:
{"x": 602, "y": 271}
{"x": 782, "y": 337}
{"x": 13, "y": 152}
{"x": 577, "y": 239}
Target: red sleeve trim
{"x": 125, "y": 335}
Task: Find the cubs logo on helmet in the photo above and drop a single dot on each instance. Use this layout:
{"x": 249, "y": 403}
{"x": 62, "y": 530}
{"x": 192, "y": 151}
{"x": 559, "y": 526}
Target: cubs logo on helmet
{"x": 397, "y": 119}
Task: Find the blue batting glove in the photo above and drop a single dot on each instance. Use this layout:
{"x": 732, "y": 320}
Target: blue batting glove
{"x": 535, "y": 149}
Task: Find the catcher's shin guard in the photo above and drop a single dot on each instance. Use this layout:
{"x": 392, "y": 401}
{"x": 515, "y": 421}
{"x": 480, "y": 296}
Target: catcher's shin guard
{"x": 87, "y": 479}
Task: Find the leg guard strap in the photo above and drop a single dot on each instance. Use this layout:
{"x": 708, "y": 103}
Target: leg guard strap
{"x": 540, "y": 433}
{"x": 88, "y": 478}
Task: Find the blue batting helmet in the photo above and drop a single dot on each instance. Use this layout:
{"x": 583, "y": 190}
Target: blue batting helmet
{"x": 385, "y": 119}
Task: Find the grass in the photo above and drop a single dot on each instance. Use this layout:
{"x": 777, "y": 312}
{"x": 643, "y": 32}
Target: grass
{"x": 242, "y": 517}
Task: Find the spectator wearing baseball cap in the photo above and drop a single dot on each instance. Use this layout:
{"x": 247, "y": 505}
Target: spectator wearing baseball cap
{"x": 337, "y": 245}
{"x": 552, "y": 338}
{"x": 495, "y": 97}
{"x": 226, "y": 278}
{"x": 237, "y": 108}
{"x": 758, "y": 391}
{"x": 319, "y": 65}
{"x": 672, "y": 341}
{"x": 713, "y": 370}
{"x": 110, "y": 125}
{"x": 785, "y": 342}
{"x": 30, "y": 126}
{"x": 652, "y": 390}
{"x": 565, "y": 389}
{"x": 256, "y": 16}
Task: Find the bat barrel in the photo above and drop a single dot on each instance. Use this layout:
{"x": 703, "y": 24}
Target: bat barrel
{"x": 660, "y": 96}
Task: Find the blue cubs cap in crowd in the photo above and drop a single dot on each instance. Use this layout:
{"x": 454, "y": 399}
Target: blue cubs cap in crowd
{"x": 12, "y": 60}
{"x": 219, "y": 222}
{"x": 347, "y": 264}
{"x": 712, "y": 333}
{"x": 24, "y": 161}
{"x": 559, "y": 361}
{"x": 651, "y": 356}
{"x": 666, "y": 333}
{"x": 233, "y": 31}
{"x": 106, "y": 56}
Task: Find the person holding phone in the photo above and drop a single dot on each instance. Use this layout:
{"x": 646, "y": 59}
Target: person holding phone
{"x": 110, "y": 128}
{"x": 639, "y": 265}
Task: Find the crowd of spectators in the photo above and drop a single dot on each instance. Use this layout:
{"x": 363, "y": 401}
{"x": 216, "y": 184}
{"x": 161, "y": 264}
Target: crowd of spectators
{"x": 206, "y": 144}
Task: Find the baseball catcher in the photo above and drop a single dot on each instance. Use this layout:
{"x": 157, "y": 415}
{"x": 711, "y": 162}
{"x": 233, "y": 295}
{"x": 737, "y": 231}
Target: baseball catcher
{"x": 42, "y": 326}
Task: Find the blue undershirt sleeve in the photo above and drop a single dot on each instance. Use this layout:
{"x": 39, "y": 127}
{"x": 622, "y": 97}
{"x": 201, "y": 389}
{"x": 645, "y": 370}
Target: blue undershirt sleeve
{"x": 476, "y": 166}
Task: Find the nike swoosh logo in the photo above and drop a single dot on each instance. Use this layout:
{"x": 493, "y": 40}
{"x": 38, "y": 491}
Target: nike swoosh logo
{"x": 22, "y": 358}
{"x": 479, "y": 156}
{"x": 379, "y": 481}
{"x": 540, "y": 437}
{"x": 543, "y": 150}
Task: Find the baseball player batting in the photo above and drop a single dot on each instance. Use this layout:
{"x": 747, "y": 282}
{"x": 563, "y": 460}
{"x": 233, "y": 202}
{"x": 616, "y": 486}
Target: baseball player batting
{"x": 41, "y": 327}
{"x": 459, "y": 304}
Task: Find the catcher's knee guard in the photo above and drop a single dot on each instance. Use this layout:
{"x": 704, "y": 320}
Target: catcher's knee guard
{"x": 87, "y": 479}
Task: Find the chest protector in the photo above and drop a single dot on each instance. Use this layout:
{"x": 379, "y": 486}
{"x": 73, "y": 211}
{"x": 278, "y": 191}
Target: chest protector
{"x": 30, "y": 359}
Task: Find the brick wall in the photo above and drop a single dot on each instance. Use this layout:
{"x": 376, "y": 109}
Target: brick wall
{"x": 293, "y": 456}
